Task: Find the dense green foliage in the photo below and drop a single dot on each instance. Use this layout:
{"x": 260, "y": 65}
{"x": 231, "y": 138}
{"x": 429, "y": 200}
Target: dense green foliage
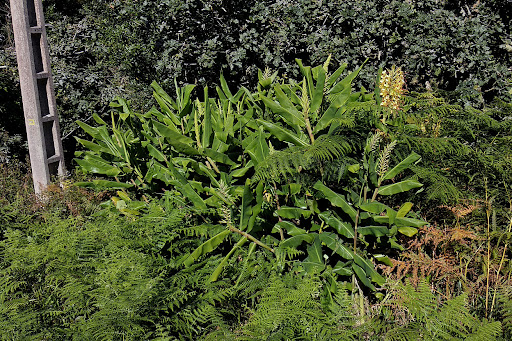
{"x": 301, "y": 206}
{"x": 102, "y": 49}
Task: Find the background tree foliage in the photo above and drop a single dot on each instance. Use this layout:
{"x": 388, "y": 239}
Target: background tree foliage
{"x": 105, "y": 48}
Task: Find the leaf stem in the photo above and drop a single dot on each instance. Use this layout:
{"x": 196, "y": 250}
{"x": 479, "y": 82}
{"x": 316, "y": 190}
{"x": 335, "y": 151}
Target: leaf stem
{"x": 251, "y": 238}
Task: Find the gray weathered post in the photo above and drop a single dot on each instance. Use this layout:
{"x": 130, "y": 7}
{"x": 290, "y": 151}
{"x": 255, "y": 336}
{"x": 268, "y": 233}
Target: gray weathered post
{"x": 37, "y": 91}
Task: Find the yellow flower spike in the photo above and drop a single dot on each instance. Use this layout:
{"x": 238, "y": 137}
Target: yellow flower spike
{"x": 392, "y": 88}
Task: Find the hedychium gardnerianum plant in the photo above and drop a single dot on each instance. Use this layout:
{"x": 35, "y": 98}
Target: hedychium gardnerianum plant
{"x": 307, "y": 117}
{"x": 207, "y": 150}
{"x": 344, "y": 228}
{"x": 202, "y": 149}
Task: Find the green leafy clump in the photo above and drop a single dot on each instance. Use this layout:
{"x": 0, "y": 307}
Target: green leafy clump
{"x": 260, "y": 165}
{"x": 108, "y": 277}
{"x": 418, "y": 315}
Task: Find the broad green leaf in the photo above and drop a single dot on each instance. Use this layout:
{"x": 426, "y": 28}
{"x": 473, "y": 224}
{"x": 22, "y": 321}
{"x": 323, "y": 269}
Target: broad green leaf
{"x": 239, "y": 172}
{"x": 377, "y": 231}
{"x": 218, "y": 157}
{"x": 295, "y": 241}
{"x": 161, "y": 92}
{"x": 155, "y": 153}
{"x": 369, "y": 269}
{"x": 314, "y": 262}
{"x": 346, "y": 82}
{"x": 185, "y": 187}
{"x": 374, "y": 207}
{"x": 399, "y": 187}
{"x": 246, "y": 209}
{"x": 258, "y": 149}
{"x": 410, "y": 222}
{"x": 318, "y": 93}
{"x": 343, "y": 269}
{"x": 166, "y": 109}
{"x": 172, "y": 135}
{"x": 293, "y": 212}
{"x": 336, "y": 199}
{"x": 404, "y": 209}
{"x": 333, "y": 78}
{"x": 333, "y": 111}
{"x": 208, "y": 246}
{"x": 102, "y": 184}
{"x": 256, "y": 208}
{"x": 283, "y": 134}
{"x": 290, "y": 228}
{"x": 93, "y": 146}
{"x": 343, "y": 228}
{"x": 98, "y": 119}
{"x": 91, "y": 164}
{"x": 207, "y": 122}
{"x": 407, "y": 230}
{"x": 92, "y": 131}
{"x": 354, "y": 168}
{"x": 218, "y": 270}
{"x": 288, "y": 117}
{"x": 404, "y": 164}
{"x": 334, "y": 243}
{"x": 383, "y": 259}
{"x": 363, "y": 277}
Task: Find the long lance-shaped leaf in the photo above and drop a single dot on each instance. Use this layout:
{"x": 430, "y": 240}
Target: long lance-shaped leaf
{"x": 161, "y": 92}
{"x": 315, "y": 260}
{"x": 155, "y": 153}
{"x": 346, "y": 82}
{"x": 93, "y": 146}
{"x": 334, "y": 243}
{"x": 282, "y": 134}
{"x": 207, "y": 123}
{"x": 258, "y": 149}
{"x": 246, "y": 209}
{"x": 94, "y": 132}
{"x": 186, "y": 188}
{"x": 333, "y": 78}
{"x": 290, "y": 228}
{"x": 341, "y": 227}
{"x": 333, "y": 110}
{"x": 166, "y": 109}
{"x": 102, "y": 184}
{"x": 306, "y": 72}
{"x": 180, "y": 142}
{"x": 256, "y": 208}
{"x": 218, "y": 270}
{"x": 399, "y": 187}
{"x": 336, "y": 199}
{"x": 288, "y": 117}
{"x": 318, "y": 94}
{"x": 404, "y": 164}
{"x": 218, "y": 157}
{"x": 164, "y": 131}
{"x": 363, "y": 277}
{"x": 208, "y": 246}
{"x": 369, "y": 269}
{"x": 92, "y": 164}
{"x": 295, "y": 241}
{"x": 289, "y": 107}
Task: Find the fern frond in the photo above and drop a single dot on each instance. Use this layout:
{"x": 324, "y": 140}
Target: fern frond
{"x": 293, "y": 160}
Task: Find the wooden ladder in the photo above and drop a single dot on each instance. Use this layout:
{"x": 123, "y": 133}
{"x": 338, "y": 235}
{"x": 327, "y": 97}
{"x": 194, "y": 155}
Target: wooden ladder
{"x": 38, "y": 94}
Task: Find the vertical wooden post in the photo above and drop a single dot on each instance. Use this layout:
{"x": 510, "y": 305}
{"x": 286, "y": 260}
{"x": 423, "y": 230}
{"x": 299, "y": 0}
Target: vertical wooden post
{"x": 37, "y": 91}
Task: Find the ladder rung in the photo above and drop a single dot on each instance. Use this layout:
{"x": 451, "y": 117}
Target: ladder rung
{"x": 41, "y": 75}
{"x": 53, "y": 159}
{"x": 35, "y": 29}
{"x": 48, "y": 118}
